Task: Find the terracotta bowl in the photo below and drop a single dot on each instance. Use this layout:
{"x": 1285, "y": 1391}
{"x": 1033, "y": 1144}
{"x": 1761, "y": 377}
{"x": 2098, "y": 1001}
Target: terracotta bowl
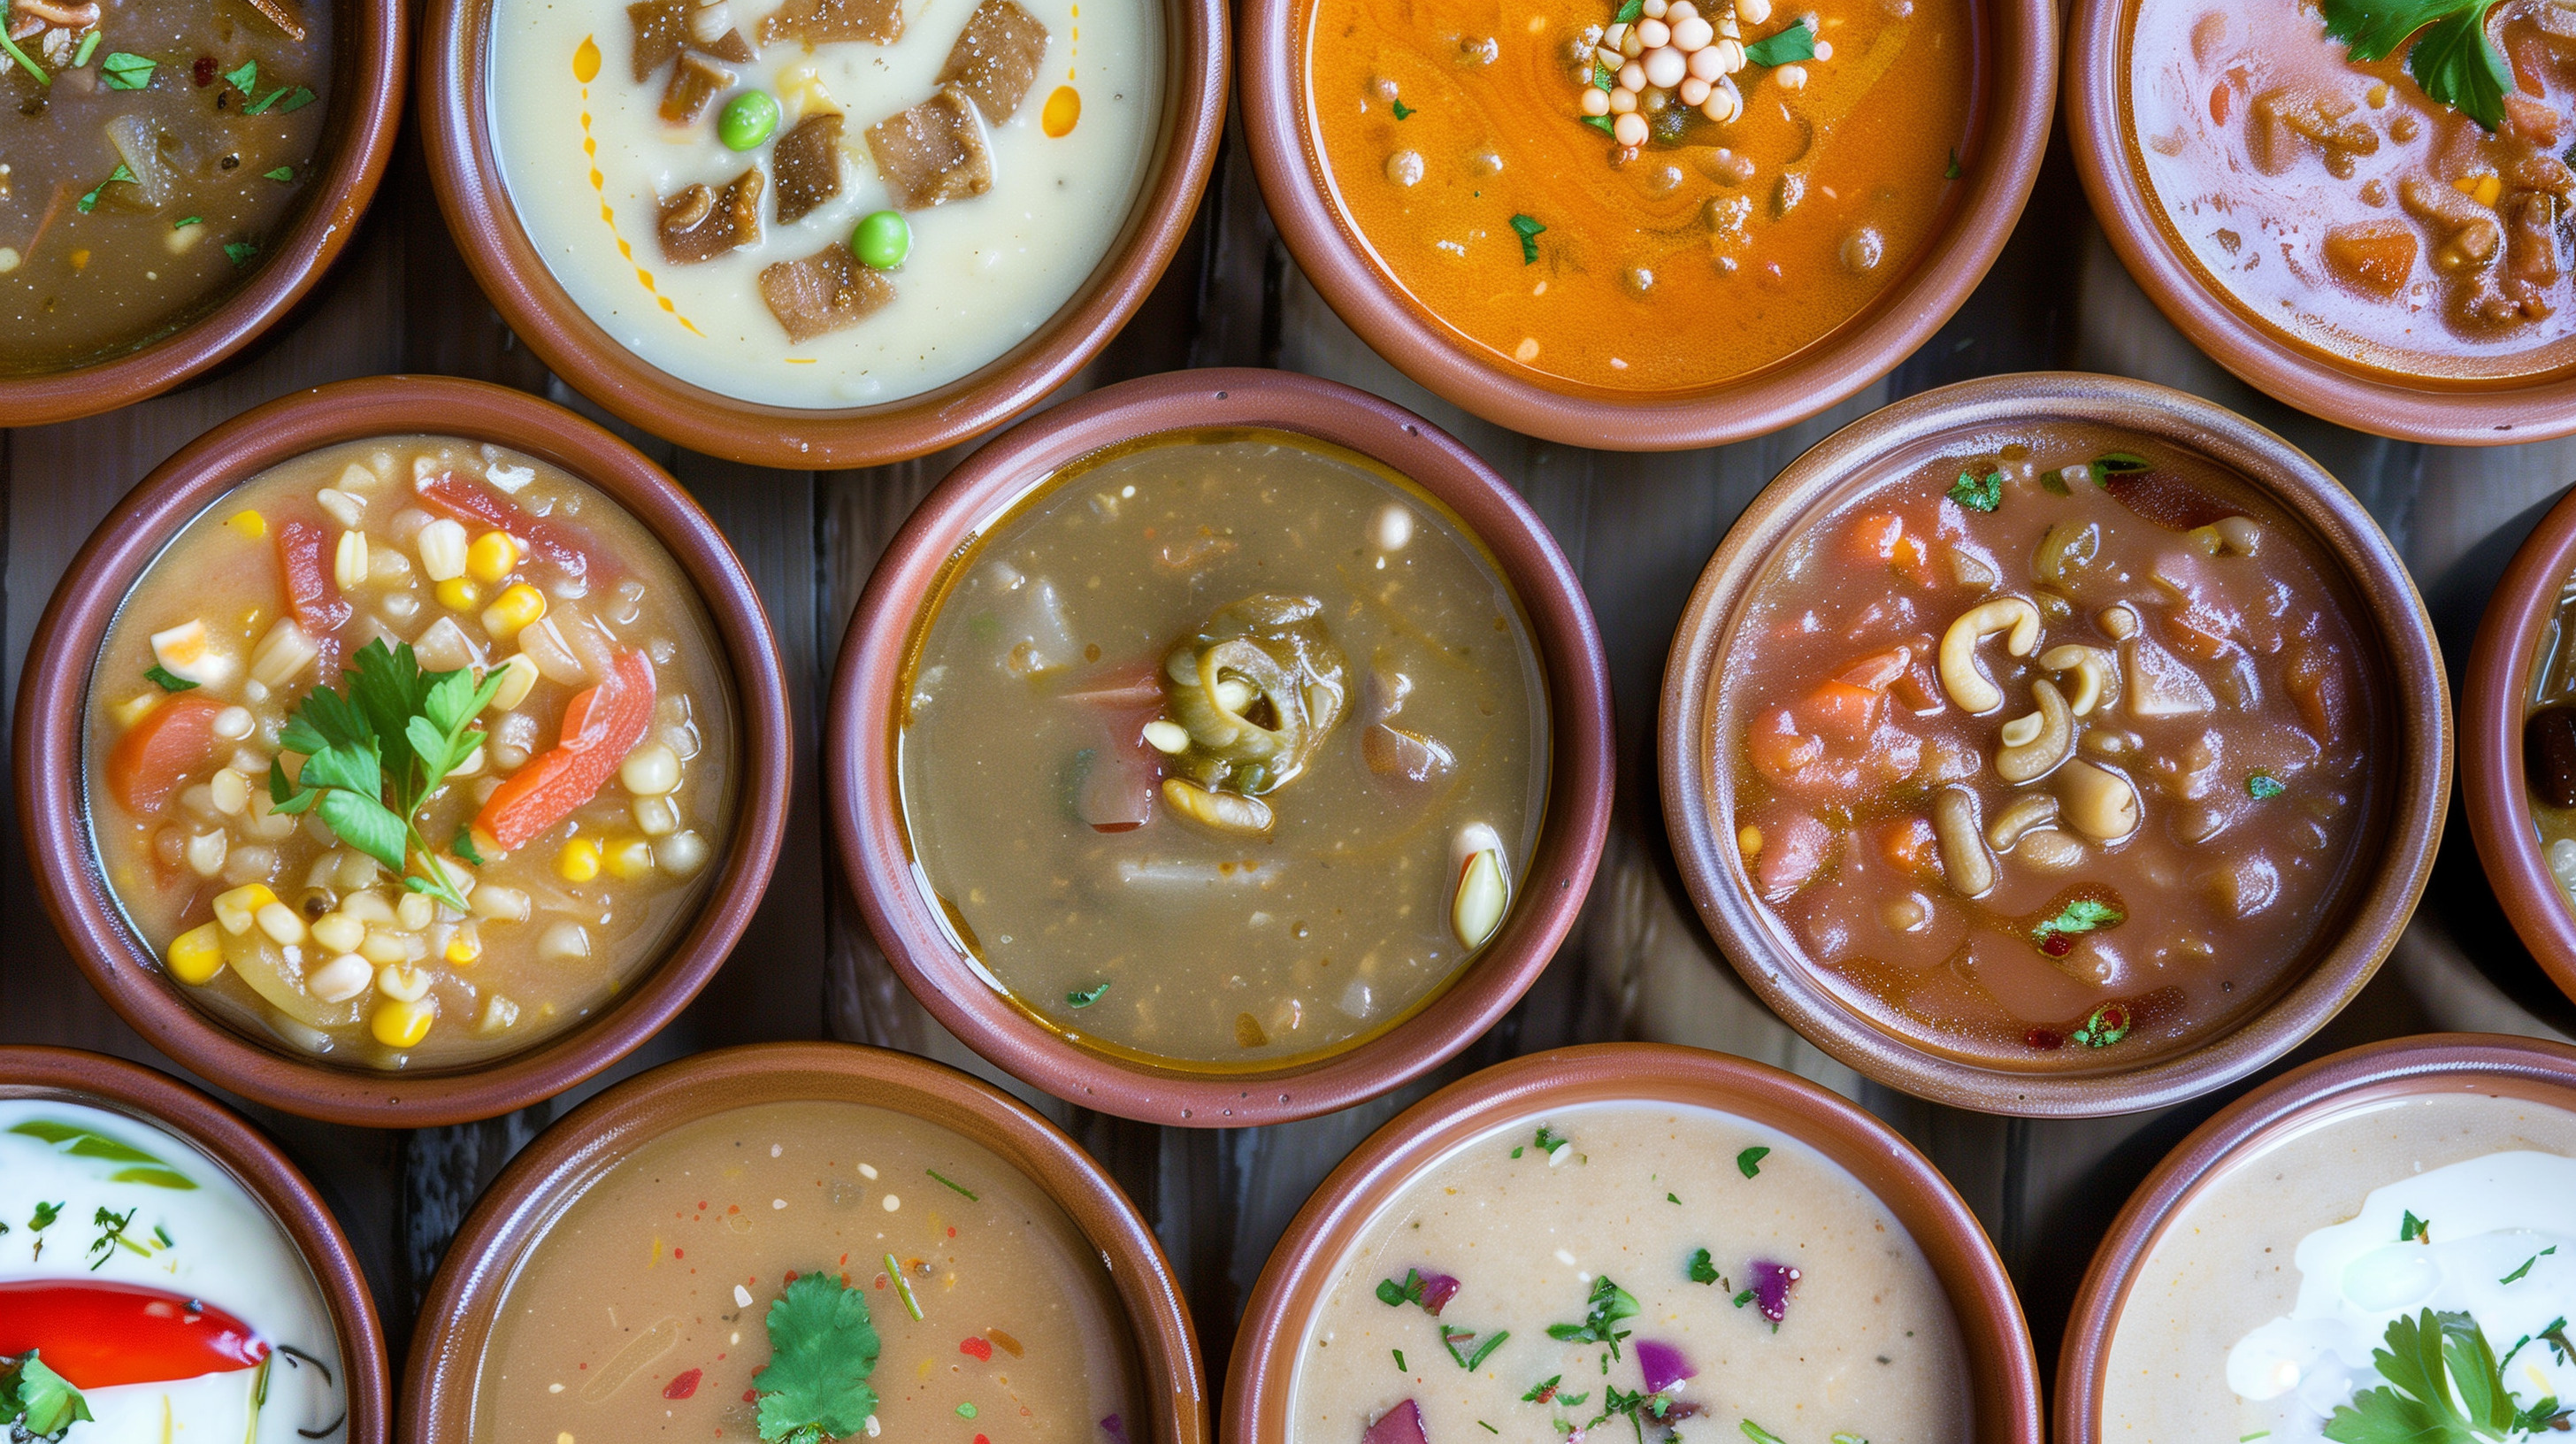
{"x": 2492, "y": 780}
{"x": 2019, "y": 94}
{"x": 2432, "y": 1063}
{"x": 446, "y": 1355}
{"x": 53, "y": 710}
{"x": 1260, "y": 1381}
{"x": 2397, "y": 849}
{"x": 370, "y": 64}
{"x": 468, "y": 179}
{"x": 98, "y": 1081}
{"x": 867, "y": 813}
{"x": 2366, "y": 398}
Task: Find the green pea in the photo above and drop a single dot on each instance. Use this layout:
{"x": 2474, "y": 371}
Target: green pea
{"x": 882, "y": 240}
{"x": 748, "y": 120}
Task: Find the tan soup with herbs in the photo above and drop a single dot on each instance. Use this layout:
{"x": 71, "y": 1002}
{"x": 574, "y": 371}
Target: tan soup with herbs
{"x": 1224, "y": 748}
{"x": 410, "y": 752}
{"x": 823, "y": 1264}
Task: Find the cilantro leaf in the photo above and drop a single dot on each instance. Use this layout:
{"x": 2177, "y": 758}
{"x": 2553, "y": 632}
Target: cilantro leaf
{"x": 2453, "y": 62}
{"x": 1529, "y": 230}
{"x": 36, "y": 1402}
{"x": 1749, "y": 1162}
{"x": 89, "y": 202}
{"x": 1702, "y": 1270}
{"x": 280, "y": 174}
{"x": 822, "y": 1348}
{"x": 1978, "y": 494}
{"x": 1085, "y": 997}
{"x": 123, "y": 71}
{"x": 1403, "y": 111}
{"x": 2444, "y": 1387}
{"x": 1793, "y": 44}
{"x": 464, "y": 848}
{"x": 1604, "y": 1308}
{"x": 2410, "y": 1228}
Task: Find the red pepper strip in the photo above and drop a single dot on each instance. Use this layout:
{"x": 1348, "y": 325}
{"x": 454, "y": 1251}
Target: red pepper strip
{"x": 600, "y": 726}
{"x": 304, "y": 555}
{"x": 99, "y": 1335}
{"x": 156, "y": 754}
{"x": 569, "y": 548}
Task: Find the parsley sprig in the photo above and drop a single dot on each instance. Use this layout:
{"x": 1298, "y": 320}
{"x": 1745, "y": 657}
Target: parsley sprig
{"x": 1607, "y": 1305}
{"x": 822, "y": 1348}
{"x": 376, "y": 752}
{"x": 2453, "y": 62}
{"x": 36, "y": 1402}
{"x": 2444, "y": 1387}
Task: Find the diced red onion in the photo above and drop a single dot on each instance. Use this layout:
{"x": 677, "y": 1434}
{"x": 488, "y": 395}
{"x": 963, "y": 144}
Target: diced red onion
{"x": 1663, "y": 1364}
{"x": 1399, "y": 1425}
{"x": 1437, "y": 1291}
{"x": 1771, "y": 1288}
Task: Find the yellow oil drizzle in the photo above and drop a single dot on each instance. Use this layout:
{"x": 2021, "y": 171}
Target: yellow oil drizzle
{"x": 1064, "y": 105}
{"x": 585, "y": 68}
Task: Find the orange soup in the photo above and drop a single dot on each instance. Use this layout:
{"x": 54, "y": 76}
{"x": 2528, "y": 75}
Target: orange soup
{"x": 1648, "y": 196}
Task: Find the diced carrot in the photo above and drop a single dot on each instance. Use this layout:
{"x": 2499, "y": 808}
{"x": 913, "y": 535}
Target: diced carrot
{"x": 2196, "y": 632}
{"x": 2374, "y": 257}
{"x": 1778, "y": 748}
{"x": 1839, "y": 709}
{"x": 1912, "y": 559}
{"x": 600, "y": 726}
{"x": 304, "y": 557}
{"x": 159, "y": 752}
{"x": 568, "y": 547}
{"x": 2317, "y": 684}
{"x": 1874, "y": 537}
{"x": 1907, "y": 845}
{"x": 1877, "y": 670}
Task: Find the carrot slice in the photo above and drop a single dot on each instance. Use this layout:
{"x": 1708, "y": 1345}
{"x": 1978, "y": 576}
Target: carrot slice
{"x": 1840, "y": 709}
{"x": 304, "y": 556}
{"x": 600, "y": 726}
{"x": 569, "y": 548}
{"x": 156, "y": 754}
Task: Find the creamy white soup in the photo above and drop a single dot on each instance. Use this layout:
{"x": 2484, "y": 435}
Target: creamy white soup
{"x": 1661, "y": 1272}
{"x": 720, "y": 183}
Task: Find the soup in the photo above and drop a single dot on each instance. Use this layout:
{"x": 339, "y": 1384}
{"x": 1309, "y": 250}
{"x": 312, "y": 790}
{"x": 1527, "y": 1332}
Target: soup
{"x": 150, "y": 157}
{"x": 2347, "y": 209}
{"x": 2259, "y": 1308}
{"x": 143, "y": 1291}
{"x": 1708, "y": 1278}
{"x": 810, "y": 1263}
{"x": 2054, "y": 752}
{"x": 829, "y": 203}
{"x": 1647, "y": 198}
{"x": 2549, "y": 742}
{"x": 411, "y": 753}
{"x": 1273, "y": 737}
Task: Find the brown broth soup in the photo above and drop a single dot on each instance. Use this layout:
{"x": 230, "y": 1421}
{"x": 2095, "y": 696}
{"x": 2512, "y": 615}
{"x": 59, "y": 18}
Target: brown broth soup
{"x": 575, "y": 835}
{"x": 2342, "y": 206}
{"x": 152, "y": 169}
{"x": 2549, "y": 741}
{"x": 2071, "y": 782}
{"x": 649, "y": 1310}
{"x": 1224, "y": 748}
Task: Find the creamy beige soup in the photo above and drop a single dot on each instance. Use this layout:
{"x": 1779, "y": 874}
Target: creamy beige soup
{"x": 1667, "y": 1271}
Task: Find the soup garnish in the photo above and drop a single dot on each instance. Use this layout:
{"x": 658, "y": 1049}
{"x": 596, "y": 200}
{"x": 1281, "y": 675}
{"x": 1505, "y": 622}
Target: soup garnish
{"x": 410, "y": 751}
{"x": 1286, "y": 734}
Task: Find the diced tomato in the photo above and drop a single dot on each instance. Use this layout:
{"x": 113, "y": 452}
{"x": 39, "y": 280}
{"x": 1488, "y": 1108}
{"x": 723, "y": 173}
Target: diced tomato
{"x": 1874, "y": 537}
{"x": 2317, "y": 684}
{"x": 1793, "y": 849}
{"x": 600, "y": 726}
{"x": 1778, "y": 748}
{"x": 1907, "y": 845}
{"x": 569, "y": 548}
{"x": 304, "y": 556}
{"x": 158, "y": 753}
{"x": 99, "y": 1335}
{"x": 1839, "y": 709}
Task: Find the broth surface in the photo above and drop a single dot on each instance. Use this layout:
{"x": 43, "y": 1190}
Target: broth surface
{"x": 640, "y": 1312}
{"x": 1044, "y": 820}
{"x": 1527, "y": 1222}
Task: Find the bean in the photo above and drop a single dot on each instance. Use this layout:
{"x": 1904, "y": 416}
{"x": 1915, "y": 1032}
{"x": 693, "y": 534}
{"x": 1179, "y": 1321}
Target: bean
{"x": 2549, "y": 755}
{"x": 748, "y": 119}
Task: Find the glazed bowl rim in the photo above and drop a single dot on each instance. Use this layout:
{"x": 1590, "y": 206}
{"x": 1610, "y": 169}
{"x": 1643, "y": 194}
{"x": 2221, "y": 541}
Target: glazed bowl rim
{"x": 2492, "y": 786}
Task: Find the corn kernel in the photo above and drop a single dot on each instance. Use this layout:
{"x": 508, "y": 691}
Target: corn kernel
{"x": 398, "y": 1024}
{"x": 491, "y": 558}
{"x": 514, "y": 687}
{"x": 249, "y": 523}
{"x": 349, "y": 561}
{"x": 283, "y": 924}
{"x": 368, "y": 907}
{"x": 464, "y": 946}
{"x": 402, "y": 983}
{"x": 236, "y": 908}
{"x": 414, "y": 910}
{"x": 339, "y": 932}
{"x": 579, "y": 860}
{"x": 459, "y": 594}
{"x": 513, "y": 609}
{"x": 627, "y": 858}
{"x": 197, "y": 954}
{"x": 442, "y": 550}
{"x": 382, "y": 947}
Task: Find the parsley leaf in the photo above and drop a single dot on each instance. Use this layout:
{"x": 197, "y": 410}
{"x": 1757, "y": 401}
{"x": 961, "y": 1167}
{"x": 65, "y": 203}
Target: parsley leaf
{"x": 1629, "y": 10}
{"x": 1400, "y": 1366}
{"x": 2411, "y": 1228}
{"x": 2107, "y": 1025}
{"x": 1085, "y": 997}
{"x": 2453, "y": 61}
{"x": 463, "y": 846}
{"x": 1600, "y": 123}
{"x": 1529, "y": 230}
{"x": 1749, "y": 1162}
{"x": 89, "y": 202}
{"x": 281, "y": 175}
{"x": 2262, "y": 785}
{"x": 167, "y": 680}
{"x": 1793, "y": 44}
{"x": 245, "y": 79}
{"x": 822, "y": 1348}
{"x": 1702, "y": 1270}
{"x": 44, "y": 1216}
{"x": 2083, "y": 915}
{"x": 240, "y": 252}
{"x": 2444, "y": 1387}
{"x": 1403, "y": 111}
{"x": 2527, "y": 1263}
{"x": 36, "y": 1402}
{"x": 1606, "y": 1306}
{"x": 1544, "y": 1390}
{"x": 124, "y": 71}
{"x": 1978, "y": 494}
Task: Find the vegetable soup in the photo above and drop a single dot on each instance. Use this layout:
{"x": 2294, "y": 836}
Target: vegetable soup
{"x": 2390, "y": 201}
{"x": 2055, "y": 754}
{"x": 1672, "y": 1271}
{"x": 145, "y": 1296}
{"x": 2549, "y": 741}
{"x": 2296, "y": 1295}
{"x": 809, "y": 1270}
{"x": 1223, "y": 748}
{"x": 150, "y": 156}
{"x": 1645, "y": 197}
{"x": 411, "y": 752}
{"x": 824, "y": 203}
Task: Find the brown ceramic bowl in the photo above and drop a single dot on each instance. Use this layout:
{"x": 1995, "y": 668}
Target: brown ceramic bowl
{"x": 53, "y": 710}
{"x": 447, "y": 1353}
{"x": 2019, "y": 95}
{"x": 369, "y": 68}
{"x": 867, "y": 813}
{"x": 470, "y": 191}
{"x": 98, "y": 1081}
{"x": 2492, "y": 780}
{"x": 2367, "y": 398}
{"x": 2520, "y": 1068}
{"x": 1260, "y": 1383}
{"x": 2397, "y": 848}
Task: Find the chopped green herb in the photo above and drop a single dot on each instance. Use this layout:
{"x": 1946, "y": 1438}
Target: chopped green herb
{"x": 1629, "y": 10}
{"x": 1517, "y": 1150}
{"x": 2116, "y": 463}
{"x": 124, "y": 71}
{"x": 1085, "y": 997}
{"x": 1740, "y": 1300}
{"x": 2527, "y": 1263}
{"x": 36, "y": 1402}
{"x": 822, "y": 1348}
{"x": 44, "y": 1216}
{"x": 1399, "y": 1361}
{"x": 1793, "y": 44}
{"x": 966, "y": 1411}
{"x": 902, "y": 1288}
{"x": 89, "y": 202}
{"x": 2444, "y": 1387}
{"x": 1606, "y": 1306}
{"x": 1749, "y": 1162}
{"x": 167, "y": 680}
{"x": 2262, "y": 785}
{"x": 184, "y": 222}
{"x": 1978, "y": 494}
{"x": 1600, "y": 123}
{"x": 2411, "y": 1228}
{"x": 1396, "y": 1295}
{"x": 1602, "y": 79}
{"x": 1529, "y": 233}
{"x": 2452, "y": 61}
{"x": 2250, "y": 1438}
{"x": 1671, "y": 1198}
{"x": 16, "y": 54}
{"x": 1488, "y": 1428}
{"x": 953, "y": 1185}
{"x": 2053, "y": 482}
{"x": 88, "y": 48}
{"x": 1542, "y": 1391}
{"x": 240, "y": 253}
{"x": 294, "y": 98}
{"x": 463, "y": 847}
{"x": 111, "y": 1236}
{"x": 1703, "y": 1270}
{"x": 2083, "y": 915}
{"x": 1549, "y": 1140}
{"x": 281, "y": 174}
{"x": 1953, "y": 172}
{"x": 2106, "y": 1025}
{"x": 1760, "y": 1435}
{"x": 162, "y": 1232}
{"x": 1403, "y": 111}
{"x": 1455, "y": 1339}
{"x": 244, "y": 79}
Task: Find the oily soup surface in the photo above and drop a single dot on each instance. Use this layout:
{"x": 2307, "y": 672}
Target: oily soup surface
{"x": 2225, "y": 1265}
{"x": 641, "y": 1312}
{"x": 1866, "y": 1342}
{"x": 2010, "y": 881}
{"x": 984, "y": 271}
{"x": 1039, "y": 671}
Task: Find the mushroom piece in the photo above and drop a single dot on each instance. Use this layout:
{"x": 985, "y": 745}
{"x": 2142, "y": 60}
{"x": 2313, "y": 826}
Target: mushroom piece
{"x": 2015, "y": 619}
{"x": 2035, "y": 744}
{"x": 2099, "y": 803}
{"x": 1969, "y": 868}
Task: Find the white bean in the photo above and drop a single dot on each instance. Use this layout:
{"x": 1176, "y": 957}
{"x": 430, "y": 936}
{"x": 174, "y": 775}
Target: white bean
{"x": 340, "y": 979}
{"x": 650, "y": 770}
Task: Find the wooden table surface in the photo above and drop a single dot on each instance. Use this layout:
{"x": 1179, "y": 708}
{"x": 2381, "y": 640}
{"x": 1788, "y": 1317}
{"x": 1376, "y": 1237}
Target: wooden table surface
{"x": 1637, "y": 528}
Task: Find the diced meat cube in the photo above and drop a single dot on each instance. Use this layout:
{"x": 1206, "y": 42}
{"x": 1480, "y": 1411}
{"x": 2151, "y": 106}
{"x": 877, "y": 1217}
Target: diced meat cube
{"x": 2373, "y": 257}
{"x": 933, "y": 153}
{"x": 807, "y": 163}
{"x": 996, "y": 59}
{"x": 2471, "y": 236}
{"x": 2281, "y": 118}
{"x": 879, "y": 22}
{"x": 694, "y": 83}
{"x": 823, "y": 292}
{"x": 700, "y": 224}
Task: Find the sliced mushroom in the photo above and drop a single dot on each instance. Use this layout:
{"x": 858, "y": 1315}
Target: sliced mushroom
{"x": 2022, "y": 816}
{"x": 2099, "y": 803}
{"x": 1226, "y": 812}
{"x": 1969, "y": 868}
{"x": 2096, "y": 675}
{"x": 2035, "y": 744}
{"x": 2015, "y": 619}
